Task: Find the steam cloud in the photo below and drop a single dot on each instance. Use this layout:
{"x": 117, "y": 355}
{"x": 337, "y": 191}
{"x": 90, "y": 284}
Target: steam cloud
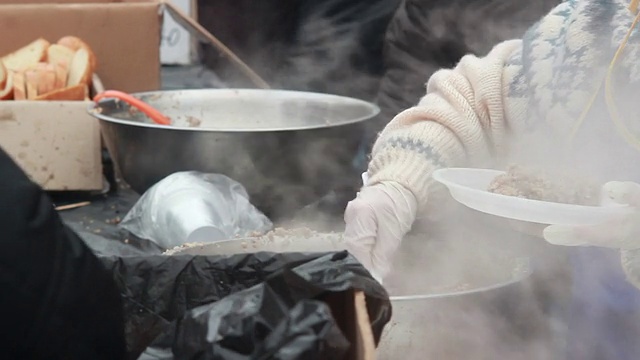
{"x": 522, "y": 320}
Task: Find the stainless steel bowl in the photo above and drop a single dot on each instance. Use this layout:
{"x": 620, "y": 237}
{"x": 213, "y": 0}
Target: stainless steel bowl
{"x": 287, "y": 148}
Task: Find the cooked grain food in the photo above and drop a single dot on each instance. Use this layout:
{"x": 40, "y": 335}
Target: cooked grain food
{"x": 536, "y": 185}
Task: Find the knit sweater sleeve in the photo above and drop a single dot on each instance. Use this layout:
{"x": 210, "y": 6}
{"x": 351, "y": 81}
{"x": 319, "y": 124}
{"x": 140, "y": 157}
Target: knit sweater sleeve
{"x": 460, "y": 120}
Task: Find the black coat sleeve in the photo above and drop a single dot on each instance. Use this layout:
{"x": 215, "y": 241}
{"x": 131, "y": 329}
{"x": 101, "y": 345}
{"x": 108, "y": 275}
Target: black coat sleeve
{"x": 57, "y": 300}
{"x": 414, "y": 49}
{"x": 337, "y": 47}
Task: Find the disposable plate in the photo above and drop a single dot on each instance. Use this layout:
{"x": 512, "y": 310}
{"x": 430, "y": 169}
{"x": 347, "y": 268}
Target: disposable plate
{"x": 469, "y": 187}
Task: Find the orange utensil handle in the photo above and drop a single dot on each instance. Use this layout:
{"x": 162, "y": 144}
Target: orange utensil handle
{"x": 145, "y": 108}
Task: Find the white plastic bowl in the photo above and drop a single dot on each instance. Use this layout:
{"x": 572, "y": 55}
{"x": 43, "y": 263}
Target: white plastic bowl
{"x": 469, "y": 187}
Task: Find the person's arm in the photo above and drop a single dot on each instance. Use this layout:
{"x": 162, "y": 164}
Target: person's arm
{"x": 57, "y": 300}
{"x": 427, "y": 35}
{"x": 461, "y": 119}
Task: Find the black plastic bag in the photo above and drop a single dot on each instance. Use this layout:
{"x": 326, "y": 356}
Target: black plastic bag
{"x": 249, "y": 325}
{"x": 256, "y": 306}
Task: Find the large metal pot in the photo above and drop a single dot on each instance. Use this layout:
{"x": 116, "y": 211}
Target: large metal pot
{"x": 287, "y": 148}
{"x": 478, "y": 322}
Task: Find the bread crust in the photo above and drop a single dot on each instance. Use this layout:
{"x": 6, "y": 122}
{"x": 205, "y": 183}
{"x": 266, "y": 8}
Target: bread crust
{"x": 45, "y": 71}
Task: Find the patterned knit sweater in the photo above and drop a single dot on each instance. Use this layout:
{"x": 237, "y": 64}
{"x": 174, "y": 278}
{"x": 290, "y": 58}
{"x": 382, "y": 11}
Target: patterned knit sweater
{"x": 488, "y": 109}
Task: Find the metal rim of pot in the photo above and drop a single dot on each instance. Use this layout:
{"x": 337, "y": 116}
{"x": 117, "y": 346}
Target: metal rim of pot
{"x": 94, "y": 109}
{"x": 521, "y": 276}
{"x": 525, "y": 272}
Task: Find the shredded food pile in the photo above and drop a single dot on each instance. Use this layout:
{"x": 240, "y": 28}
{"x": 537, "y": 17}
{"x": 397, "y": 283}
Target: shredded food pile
{"x": 456, "y": 272}
{"x": 536, "y": 185}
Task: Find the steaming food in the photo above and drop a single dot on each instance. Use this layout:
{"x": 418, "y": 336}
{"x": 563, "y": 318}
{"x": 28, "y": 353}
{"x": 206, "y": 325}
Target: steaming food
{"x": 278, "y": 240}
{"x": 435, "y": 267}
{"x": 421, "y": 271}
{"x": 536, "y": 185}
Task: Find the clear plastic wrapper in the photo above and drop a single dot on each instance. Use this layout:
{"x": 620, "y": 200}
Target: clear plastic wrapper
{"x": 194, "y": 207}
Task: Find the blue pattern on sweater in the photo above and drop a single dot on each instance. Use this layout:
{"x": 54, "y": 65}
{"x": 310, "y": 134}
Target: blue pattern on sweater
{"x": 561, "y": 64}
{"x": 576, "y": 65}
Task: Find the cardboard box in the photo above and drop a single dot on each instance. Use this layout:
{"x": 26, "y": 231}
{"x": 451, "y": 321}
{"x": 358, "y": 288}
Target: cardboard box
{"x": 124, "y": 34}
{"x": 178, "y": 47}
{"x": 365, "y": 345}
{"x": 349, "y": 309}
{"x": 55, "y": 143}
{"x": 58, "y": 143}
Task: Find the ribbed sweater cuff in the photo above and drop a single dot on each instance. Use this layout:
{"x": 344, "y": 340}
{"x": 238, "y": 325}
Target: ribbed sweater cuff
{"x": 409, "y": 156}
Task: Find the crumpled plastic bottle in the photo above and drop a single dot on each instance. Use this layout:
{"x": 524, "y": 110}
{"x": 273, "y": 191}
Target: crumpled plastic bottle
{"x": 188, "y": 207}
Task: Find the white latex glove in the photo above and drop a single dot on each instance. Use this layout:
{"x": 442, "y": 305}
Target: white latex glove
{"x": 623, "y": 233}
{"x": 376, "y": 221}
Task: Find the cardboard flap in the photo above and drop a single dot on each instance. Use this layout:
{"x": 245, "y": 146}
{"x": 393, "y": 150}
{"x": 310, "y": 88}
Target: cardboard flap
{"x": 349, "y": 309}
{"x": 205, "y": 36}
{"x": 366, "y": 347}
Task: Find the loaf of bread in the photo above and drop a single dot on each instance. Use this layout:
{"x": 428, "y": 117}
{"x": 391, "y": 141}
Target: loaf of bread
{"x": 44, "y": 71}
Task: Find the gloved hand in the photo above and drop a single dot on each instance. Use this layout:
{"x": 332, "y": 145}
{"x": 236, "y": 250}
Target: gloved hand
{"x": 376, "y": 221}
{"x": 623, "y": 233}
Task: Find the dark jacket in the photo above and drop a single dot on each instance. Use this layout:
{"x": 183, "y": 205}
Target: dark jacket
{"x": 332, "y": 46}
{"x": 427, "y": 35}
{"x": 56, "y": 299}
